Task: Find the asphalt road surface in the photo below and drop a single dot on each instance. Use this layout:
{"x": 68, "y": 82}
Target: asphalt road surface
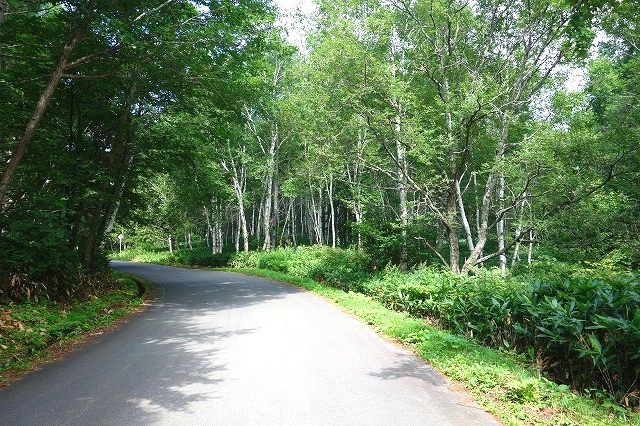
{"x": 227, "y": 349}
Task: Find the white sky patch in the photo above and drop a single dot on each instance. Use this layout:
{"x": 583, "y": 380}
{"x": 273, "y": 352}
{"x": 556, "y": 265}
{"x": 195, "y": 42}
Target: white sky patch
{"x": 294, "y": 16}
{"x": 306, "y": 6}
{"x": 576, "y": 79}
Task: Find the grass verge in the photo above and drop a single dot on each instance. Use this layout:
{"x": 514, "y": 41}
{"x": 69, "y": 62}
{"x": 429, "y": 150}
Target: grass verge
{"x": 498, "y": 381}
{"x": 35, "y": 333}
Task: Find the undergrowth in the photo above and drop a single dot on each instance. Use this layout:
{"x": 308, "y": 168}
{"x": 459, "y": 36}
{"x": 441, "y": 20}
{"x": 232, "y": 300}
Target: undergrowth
{"x": 200, "y": 256}
{"x": 28, "y": 328}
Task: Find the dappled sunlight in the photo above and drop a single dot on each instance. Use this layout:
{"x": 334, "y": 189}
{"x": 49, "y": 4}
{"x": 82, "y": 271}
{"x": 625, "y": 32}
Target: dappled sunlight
{"x": 186, "y": 339}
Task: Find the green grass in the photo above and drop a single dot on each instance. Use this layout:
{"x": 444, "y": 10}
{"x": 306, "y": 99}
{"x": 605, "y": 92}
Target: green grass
{"x": 499, "y": 381}
{"x": 28, "y": 330}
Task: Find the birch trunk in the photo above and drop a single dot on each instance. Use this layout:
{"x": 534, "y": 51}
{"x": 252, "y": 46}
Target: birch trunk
{"x": 275, "y": 210}
{"x": 266, "y": 215}
{"x": 401, "y": 156}
{"x": 493, "y": 179}
{"x": 516, "y": 248}
{"x": 452, "y": 201}
{"x": 333, "y": 211}
{"x": 268, "y": 209}
{"x": 209, "y": 233}
{"x": 216, "y": 223}
{"x": 356, "y": 186}
{"x": 403, "y": 173}
{"x": 236, "y": 236}
{"x": 500, "y": 226}
{"x": 484, "y": 225}
{"x": 315, "y": 215}
{"x": 463, "y": 217}
{"x": 114, "y": 212}
{"x": 452, "y": 229}
{"x": 239, "y": 181}
{"x": 293, "y": 223}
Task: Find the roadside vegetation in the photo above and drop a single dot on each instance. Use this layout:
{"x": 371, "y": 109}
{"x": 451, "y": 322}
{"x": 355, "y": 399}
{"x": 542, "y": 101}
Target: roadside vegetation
{"x": 551, "y": 343}
{"x": 38, "y": 329}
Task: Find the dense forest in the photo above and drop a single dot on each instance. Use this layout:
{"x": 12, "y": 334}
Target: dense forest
{"x": 421, "y": 152}
{"x": 426, "y": 132}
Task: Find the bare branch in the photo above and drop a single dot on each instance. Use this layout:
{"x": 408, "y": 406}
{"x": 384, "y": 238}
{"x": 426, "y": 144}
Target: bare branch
{"x": 142, "y": 15}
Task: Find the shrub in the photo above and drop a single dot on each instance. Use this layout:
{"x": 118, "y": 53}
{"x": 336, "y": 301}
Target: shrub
{"x": 342, "y": 268}
{"x": 580, "y": 330}
{"x": 201, "y": 256}
{"x": 245, "y": 260}
{"x": 586, "y": 332}
{"x": 346, "y": 269}
{"x": 277, "y": 260}
{"x": 420, "y": 292}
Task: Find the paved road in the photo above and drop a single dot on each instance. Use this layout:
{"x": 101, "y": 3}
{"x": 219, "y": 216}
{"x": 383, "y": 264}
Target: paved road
{"x": 226, "y": 349}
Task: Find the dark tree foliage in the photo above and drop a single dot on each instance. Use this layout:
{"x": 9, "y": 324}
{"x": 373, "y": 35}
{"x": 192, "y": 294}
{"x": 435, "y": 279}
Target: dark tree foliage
{"x": 81, "y": 83}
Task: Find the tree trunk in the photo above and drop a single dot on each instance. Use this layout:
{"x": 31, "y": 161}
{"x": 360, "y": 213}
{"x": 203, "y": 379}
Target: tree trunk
{"x": 315, "y": 216}
{"x": 215, "y": 223}
{"x": 253, "y": 231}
{"x": 452, "y": 229}
{"x": 239, "y": 179}
{"x": 484, "y": 225}
{"x": 500, "y": 226}
{"x": 245, "y": 232}
{"x": 30, "y": 131}
{"x": 2, "y": 8}
{"x": 332, "y": 211}
{"x": 493, "y": 179}
{"x": 293, "y": 223}
{"x": 97, "y": 227}
{"x": 266, "y": 215}
{"x": 516, "y": 249}
{"x": 268, "y": 209}
{"x": 356, "y": 187}
{"x": 478, "y": 205}
{"x": 463, "y": 217}
{"x": 275, "y": 215}
{"x": 236, "y": 236}
{"x": 209, "y": 233}
{"x": 403, "y": 173}
{"x": 401, "y": 154}
{"x": 114, "y": 211}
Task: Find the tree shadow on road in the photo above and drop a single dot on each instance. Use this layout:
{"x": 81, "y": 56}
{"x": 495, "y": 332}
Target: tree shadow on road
{"x": 162, "y": 366}
{"x": 184, "y": 368}
{"x": 409, "y": 366}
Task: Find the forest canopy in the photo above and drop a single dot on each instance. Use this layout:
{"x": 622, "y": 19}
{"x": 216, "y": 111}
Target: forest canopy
{"x": 434, "y": 132}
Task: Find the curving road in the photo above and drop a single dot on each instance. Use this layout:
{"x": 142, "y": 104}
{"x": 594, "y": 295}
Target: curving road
{"x": 227, "y": 349}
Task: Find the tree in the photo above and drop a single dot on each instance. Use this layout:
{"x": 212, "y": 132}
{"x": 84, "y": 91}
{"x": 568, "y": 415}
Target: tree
{"x": 72, "y": 24}
{"x": 122, "y": 67}
{"x": 486, "y": 64}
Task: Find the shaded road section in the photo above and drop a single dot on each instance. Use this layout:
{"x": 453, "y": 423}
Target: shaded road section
{"x": 220, "y": 348}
